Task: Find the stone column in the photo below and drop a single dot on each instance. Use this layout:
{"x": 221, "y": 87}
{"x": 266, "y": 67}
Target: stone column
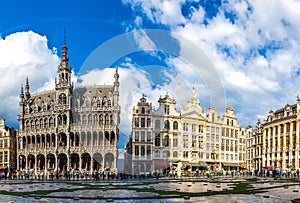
{"x": 284, "y": 147}
{"x": 68, "y": 149}
{"x": 274, "y": 148}
{"x": 35, "y": 164}
{"x": 297, "y": 145}
{"x": 264, "y": 147}
{"x": 291, "y": 144}
{"x": 269, "y": 152}
{"x": 26, "y": 166}
{"x": 45, "y": 165}
{"x": 278, "y": 145}
{"x": 92, "y": 163}
{"x": 80, "y": 162}
{"x": 56, "y": 151}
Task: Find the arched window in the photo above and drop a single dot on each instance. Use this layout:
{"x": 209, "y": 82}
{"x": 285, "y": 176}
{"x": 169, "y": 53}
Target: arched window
{"x": 143, "y": 110}
{"x": 89, "y": 119}
{"x": 106, "y": 119}
{"x": 84, "y": 119}
{"x": 111, "y": 120}
{"x": 175, "y": 154}
{"x": 157, "y": 140}
{"x": 175, "y": 125}
{"x": 166, "y": 154}
{"x": 166, "y": 141}
{"x": 62, "y": 99}
{"x": 101, "y": 119}
{"x": 167, "y": 124}
{"x": 157, "y": 153}
{"x": 157, "y": 124}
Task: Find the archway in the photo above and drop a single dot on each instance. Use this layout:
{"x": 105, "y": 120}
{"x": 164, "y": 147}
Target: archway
{"x": 106, "y": 134}
{"x": 40, "y": 161}
{"x": 62, "y": 139}
{"x": 86, "y": 161}
{"x": 74, "y": 159}
{"x": 95, "y": 139}
{"x": 112, "y": 138}
{"x": 62, "y": 162}
{"x": 109, "y": 161}
{"x": 100, "y": 140}
{"x": 77, "y": 139}
{"x": 72, "y": 139}
{"x": 22, "y": 162}
{"x": 88, "y": 138}
{"x": 50, "y": 162}
{"x": 31, "y": 161}
{"x": 53, "y": 140}
{"x": 97, "y": 161}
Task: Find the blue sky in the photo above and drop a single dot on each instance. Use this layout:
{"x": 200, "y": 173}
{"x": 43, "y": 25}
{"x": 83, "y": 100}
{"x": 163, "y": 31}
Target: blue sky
{"x": 234, "y": 51}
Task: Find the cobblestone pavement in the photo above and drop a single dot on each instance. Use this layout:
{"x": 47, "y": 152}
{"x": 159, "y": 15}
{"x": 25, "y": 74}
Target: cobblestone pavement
{"x": 150, "y": 190}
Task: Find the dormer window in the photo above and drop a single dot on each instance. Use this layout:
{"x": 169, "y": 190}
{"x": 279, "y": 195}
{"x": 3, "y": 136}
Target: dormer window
{"x": 143, "y": 110}
{"x": 167, "y": 109}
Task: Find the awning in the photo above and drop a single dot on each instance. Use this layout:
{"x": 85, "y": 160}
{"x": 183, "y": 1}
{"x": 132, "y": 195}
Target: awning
{"x": 173, "y": 161}
{"x": 200, "y": 164}
{"x": 231, "y": 164}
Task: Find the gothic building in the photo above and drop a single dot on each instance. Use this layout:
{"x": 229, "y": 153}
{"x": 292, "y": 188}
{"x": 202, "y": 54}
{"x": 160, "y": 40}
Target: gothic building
{"x": 69, "y": 127}
{"x": 165, "y": 139}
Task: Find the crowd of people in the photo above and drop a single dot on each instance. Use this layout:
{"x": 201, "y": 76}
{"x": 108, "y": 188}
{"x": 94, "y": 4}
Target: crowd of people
{"x": 74, "y": 174}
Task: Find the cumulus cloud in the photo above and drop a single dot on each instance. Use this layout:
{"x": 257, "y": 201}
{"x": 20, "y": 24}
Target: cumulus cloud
{"x": 25, "y": 54}
{"x": 254, "y": 45}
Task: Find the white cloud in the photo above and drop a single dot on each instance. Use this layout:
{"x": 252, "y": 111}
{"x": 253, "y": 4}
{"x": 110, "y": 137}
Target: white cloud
{"x": 143, "y": 40}
{"x": 256, "y": 55}
{"x": 162, "y": 12}
{"x": 25, "y": 54}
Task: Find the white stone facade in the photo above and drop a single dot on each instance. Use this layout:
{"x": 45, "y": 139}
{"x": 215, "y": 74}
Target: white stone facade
{"x": 165, "y": 139}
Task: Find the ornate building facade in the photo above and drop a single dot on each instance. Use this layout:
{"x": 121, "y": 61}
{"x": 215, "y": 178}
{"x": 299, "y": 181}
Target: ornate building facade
{"x": 68, "y": 128}
{"x": 8, "y": 149}
{"x": 168, "y": 139}
{"x": 276, "y": 139}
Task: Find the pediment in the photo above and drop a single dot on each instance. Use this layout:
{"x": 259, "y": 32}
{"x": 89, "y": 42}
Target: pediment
{"x": 193, "y": 114}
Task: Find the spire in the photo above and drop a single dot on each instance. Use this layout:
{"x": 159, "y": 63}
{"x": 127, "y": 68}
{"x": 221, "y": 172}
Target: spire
{"x": 27, "y": 94}
{"x": 117, "y": 74}
{"x": 65, "y": 36}
{"x": 22, "y": 93}
{"x": 64, "y": 64}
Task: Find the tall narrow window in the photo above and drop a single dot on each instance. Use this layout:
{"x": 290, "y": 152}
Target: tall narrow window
{"x": 142, "y": 122}
{"x": 143, "y": 110}
{"x": 157, "y": 140}
{"x": 167, "y": 109}
{"x": 157, "y": 124}
{"x": 148, "y": 122}
{"x": 136, "y": 150}
{"x": 175, "y": 125}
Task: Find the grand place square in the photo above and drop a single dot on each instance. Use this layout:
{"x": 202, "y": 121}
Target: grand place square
{"x": 150, "y": 101}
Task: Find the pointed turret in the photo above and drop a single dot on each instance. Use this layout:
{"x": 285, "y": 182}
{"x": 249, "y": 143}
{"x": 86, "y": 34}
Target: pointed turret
{"x": 27, "y": 93}
{"x": 64, "y": 63}
{"x": 64, "y": 69}
{"x": 116, "y": 76}
{"x": 22, "y": 94}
